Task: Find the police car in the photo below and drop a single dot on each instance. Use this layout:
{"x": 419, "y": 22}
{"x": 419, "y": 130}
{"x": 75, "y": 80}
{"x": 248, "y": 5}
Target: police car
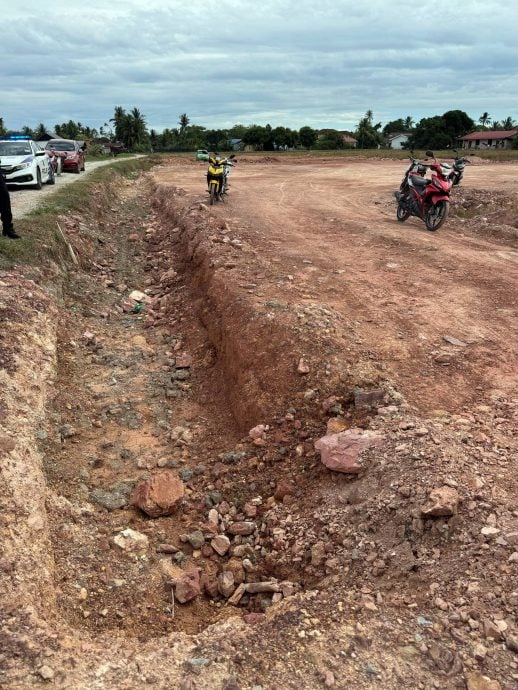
{"x": 24, "y": 163}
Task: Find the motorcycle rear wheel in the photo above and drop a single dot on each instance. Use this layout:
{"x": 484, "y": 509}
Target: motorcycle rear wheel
{"x": 402, "y": 214}
{"x": 436, "y": 215}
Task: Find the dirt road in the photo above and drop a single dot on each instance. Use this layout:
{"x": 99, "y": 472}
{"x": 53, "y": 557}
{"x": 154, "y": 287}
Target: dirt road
{"x": 332, "y": 228}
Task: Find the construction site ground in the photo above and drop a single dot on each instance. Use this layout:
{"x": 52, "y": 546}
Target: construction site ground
{"x": 296, "y": 309}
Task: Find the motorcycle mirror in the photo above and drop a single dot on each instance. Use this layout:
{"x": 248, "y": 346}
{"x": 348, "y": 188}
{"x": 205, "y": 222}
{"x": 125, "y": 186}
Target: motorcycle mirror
{"x": 430, "y": 154}
{"x": 232, "y": 156}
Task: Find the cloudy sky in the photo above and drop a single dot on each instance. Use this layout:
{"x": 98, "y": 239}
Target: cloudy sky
{"x": 285, "y": 62}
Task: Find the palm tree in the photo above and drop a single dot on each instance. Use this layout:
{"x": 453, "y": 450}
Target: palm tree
{"x": 508, "y": 123}
{"x": 484, "y": 119}
{"x": 183, "y": 122}
{"x": 409, "y": 122}
{"x": 118, "y": 119}
{"x": 496, "y": 125}
{"x": 40, "y": 131}
{"x": 138, "y": 126}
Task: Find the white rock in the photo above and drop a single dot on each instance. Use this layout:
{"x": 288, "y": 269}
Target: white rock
{"x": 130, "y": 540}
{"x": 46, "y": 673}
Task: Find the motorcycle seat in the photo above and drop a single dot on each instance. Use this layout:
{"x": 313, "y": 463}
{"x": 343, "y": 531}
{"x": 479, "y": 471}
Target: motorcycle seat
{"x": 419, "y": 181}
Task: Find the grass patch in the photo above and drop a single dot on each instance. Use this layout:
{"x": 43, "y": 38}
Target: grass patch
{"x": 41, "y": 241}
{"x": 390, "y": 154}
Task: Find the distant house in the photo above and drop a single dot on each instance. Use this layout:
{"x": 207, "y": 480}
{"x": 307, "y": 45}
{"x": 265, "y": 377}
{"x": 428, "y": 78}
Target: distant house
{"x": 490, "y": 139}
{"x": 236, "y": 144}
{"x": 397, "y": 140}
{"x": 348, "y": 140}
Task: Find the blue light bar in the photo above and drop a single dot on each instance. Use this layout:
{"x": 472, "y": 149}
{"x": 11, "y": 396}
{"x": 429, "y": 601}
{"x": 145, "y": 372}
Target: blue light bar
{"x": 15, "y": 137}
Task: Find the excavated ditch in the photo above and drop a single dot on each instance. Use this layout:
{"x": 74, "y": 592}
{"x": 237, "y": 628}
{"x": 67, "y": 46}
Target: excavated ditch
{"x": 123, "y": 407}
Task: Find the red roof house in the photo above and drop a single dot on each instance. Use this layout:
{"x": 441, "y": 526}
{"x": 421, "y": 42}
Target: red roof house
{"x": 490, "y": 139}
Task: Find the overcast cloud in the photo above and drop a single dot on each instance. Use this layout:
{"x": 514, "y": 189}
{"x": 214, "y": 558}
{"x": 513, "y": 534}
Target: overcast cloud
{"x": 234, "y": 61}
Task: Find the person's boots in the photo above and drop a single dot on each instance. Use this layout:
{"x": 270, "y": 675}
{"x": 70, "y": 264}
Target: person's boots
{"x": 11, "y": 234}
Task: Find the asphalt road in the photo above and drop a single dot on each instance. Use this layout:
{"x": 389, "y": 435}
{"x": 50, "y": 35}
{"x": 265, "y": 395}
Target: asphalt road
{"x": 24, "y": 200}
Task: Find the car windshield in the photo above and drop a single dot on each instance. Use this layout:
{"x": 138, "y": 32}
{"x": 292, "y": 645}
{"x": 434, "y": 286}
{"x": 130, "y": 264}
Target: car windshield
{"x": 61, "y": 146}
{"x": 15, "y": 148}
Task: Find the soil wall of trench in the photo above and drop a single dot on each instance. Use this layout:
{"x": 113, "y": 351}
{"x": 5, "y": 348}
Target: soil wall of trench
{"x": 257, "y": 351}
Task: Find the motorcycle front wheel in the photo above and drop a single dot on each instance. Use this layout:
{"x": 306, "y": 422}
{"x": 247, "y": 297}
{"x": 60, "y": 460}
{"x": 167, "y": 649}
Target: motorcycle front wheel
{"x": 436, "y": 215}
{"x": 213, "y": 194}
{"x": 402, "y": 214}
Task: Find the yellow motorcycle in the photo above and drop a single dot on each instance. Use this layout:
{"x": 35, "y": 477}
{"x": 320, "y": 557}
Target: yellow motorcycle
{"x": 216, "y": 177}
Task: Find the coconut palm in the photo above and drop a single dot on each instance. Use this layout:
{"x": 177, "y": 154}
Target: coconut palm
{"x": 119, "y": 116}
{"x": 40, "y": 131}
{"x": 409, "y": 122}
{"x": 484, "y": 119}
{"x": 508, "y": 123}
{"x": 183, "y": 122}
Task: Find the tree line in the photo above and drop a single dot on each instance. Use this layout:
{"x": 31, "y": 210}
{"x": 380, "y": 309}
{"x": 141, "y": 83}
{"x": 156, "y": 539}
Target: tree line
{"x": 130, "y": 129}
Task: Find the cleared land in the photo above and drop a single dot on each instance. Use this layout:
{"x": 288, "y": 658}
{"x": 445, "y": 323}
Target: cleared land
{"x": 300, "y": 304}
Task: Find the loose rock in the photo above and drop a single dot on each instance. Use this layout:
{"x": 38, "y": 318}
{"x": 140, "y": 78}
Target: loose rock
{"x": 242, "y": 528}
{"x": 220, "y": 544}
{"x": 341, "y": 452}
{"x": 226, "y": 584}
{"x": 476, "y": 681}
{"x": 442, "y": 502}
{"x": 131, "y": 540}
{"x": 159, "y": 495}
{"x": 187, "y": 587}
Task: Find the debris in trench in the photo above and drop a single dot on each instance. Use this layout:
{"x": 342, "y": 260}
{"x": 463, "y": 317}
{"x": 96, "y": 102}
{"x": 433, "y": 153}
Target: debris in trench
{"x": 442, "y": 502}
{"x": 159, "y": 495}
{"x": 131, "y": 540}
{"x": 341, "y": 452}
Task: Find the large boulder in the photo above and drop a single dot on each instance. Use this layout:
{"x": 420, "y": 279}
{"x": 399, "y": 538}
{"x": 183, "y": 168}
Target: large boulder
{"x": 341, "y": 452}
{"x": 159, "y": 495}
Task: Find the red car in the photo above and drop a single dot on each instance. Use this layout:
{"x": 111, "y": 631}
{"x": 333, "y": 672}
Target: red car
{"x": 74, "y": 158}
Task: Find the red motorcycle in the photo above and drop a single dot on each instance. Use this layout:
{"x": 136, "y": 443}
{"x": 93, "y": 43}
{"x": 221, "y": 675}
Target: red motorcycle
{"x": 428, "y": 199}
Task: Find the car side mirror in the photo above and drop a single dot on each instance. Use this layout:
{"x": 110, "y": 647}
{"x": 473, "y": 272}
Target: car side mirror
{"x": 41, "y": 153}
{"x": 430, "y": 154}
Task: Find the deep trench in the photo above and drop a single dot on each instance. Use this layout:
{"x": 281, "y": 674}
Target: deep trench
{"x": 111, "y": 417}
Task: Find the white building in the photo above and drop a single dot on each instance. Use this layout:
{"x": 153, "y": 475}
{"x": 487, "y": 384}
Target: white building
{"x": 397, "y": 139}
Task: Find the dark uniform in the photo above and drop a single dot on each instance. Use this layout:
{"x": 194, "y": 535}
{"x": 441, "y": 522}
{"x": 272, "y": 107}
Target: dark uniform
{"x": 5, "y": 211}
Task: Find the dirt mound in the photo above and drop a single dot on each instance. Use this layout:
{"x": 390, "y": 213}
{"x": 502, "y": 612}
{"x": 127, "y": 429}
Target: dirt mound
{"x": 487, "y": 213}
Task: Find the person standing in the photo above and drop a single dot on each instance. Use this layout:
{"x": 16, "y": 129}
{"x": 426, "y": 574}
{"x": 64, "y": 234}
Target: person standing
{"x": 5, "y": 211}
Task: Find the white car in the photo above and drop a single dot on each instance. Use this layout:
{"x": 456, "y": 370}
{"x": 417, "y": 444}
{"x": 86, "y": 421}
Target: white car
{"x": 24, "y": 163}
